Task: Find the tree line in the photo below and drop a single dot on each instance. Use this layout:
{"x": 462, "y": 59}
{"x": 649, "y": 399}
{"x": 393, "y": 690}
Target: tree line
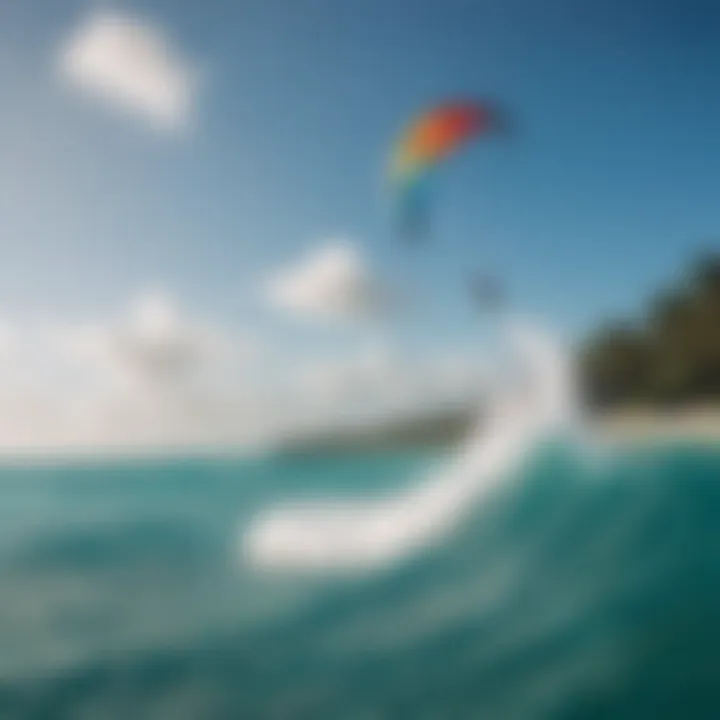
{"x": 668, "y": 356}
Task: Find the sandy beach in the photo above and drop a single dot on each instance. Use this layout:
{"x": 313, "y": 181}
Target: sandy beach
{"x": 639, "y": 424}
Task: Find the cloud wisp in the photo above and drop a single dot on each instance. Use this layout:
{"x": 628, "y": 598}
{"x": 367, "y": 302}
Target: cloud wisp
{"x": 131, "y": 65}
{"x": 331, "y": 283}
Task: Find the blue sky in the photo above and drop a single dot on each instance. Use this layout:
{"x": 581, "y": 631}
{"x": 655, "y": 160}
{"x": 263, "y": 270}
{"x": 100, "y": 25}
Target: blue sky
{"x": 607, "y": 187}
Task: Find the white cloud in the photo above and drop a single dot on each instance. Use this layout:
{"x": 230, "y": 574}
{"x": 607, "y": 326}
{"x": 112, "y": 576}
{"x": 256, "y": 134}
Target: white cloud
{"x": 153, "y": 377}
{"x": 157, "y": 345}
{"x": 158, "y": 376}
{"x": 130, "y": 64}
{"x": 153, "y": 345}
{"x": 332, "y": 282}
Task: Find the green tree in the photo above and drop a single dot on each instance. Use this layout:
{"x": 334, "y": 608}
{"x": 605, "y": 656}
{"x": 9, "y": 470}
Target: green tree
{"x": 672, "y": 355}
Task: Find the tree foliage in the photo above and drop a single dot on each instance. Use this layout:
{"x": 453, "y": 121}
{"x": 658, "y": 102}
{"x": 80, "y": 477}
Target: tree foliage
{"x": 669, "y": 356}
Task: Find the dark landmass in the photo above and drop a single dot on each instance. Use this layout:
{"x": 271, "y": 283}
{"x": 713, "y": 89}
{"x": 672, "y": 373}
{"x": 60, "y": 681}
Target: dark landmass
{"x": 437, "y": 429}
{"x": 667, "y": 357}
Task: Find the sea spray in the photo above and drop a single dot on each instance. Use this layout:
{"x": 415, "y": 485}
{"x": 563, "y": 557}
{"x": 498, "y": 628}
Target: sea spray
{"x": 539, "y": 400}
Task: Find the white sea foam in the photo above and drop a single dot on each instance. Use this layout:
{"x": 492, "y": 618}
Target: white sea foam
{"x": 540, "y": 398}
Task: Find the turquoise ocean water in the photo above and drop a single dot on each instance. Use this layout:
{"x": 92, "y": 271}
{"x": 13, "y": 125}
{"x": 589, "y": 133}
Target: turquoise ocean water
{"x": 576, "y": 590}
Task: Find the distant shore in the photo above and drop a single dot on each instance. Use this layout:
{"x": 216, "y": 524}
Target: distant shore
{"x": 640, "y": 424}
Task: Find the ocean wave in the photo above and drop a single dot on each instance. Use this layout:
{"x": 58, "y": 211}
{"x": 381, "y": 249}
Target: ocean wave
{"x": 563, "y": 598}
{"x": 110, "y": 544}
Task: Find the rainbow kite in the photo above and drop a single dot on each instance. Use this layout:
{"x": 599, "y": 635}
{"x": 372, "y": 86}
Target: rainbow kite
{"x": 428, "y": 140}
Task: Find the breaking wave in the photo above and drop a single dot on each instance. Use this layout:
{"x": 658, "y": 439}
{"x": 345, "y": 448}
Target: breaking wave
{"x": 538, "y": 400}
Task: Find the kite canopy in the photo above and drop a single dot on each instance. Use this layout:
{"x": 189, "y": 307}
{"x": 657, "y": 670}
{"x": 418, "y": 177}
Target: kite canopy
{"x": 428, "y": 140}
{"x": 435, "y": 135}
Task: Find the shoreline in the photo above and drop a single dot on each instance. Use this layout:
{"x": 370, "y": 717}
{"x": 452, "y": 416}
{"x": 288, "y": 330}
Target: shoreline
{"x": 626, "y": 426}
{"x": 700, "y": 424}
